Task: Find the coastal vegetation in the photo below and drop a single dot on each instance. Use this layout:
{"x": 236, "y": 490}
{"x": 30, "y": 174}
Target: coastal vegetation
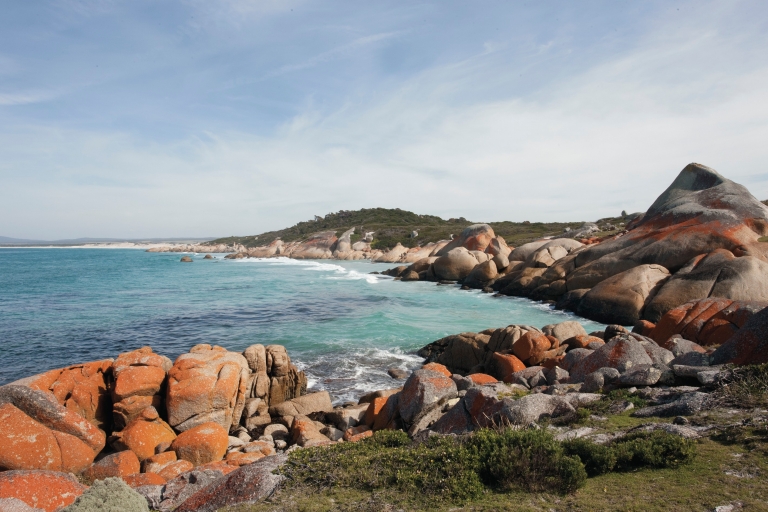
{"x": 393, "y": 225}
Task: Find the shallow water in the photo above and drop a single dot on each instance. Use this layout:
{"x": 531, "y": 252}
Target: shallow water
{"x": 343, "y": 326}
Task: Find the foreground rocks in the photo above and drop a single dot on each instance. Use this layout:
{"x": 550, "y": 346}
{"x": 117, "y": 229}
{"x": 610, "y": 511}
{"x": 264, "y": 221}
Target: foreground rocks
{"x": 147, "y": 421}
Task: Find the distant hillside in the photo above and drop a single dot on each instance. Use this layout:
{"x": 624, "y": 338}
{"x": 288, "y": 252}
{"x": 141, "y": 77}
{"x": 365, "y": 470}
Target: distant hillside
{"x": 395, "y": 225}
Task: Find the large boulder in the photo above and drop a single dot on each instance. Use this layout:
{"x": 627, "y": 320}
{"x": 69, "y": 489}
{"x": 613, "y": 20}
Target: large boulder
{"x": 28, "y": 444}
{"x": 303, "y": 405}
{"x": 749, "y": 345}
{"x": 717, "y": 274}
{"x": 120, "y": 464}
{"x": 202, "y": 444}
{"x": 476, "y": 237}
{"x": 701, "y": 211}
{"x": 564, "y": 330}
{"x": 482, "y": 275}
{"x": 422, "y": 389}
{"x": 551, "y": 251}
{"x": 621, "y": 298}
{"x": 46, "y": 490}
{"x": 207, "y": 384}
{"x": 394, "y": 255}
{"x": 523, "y": 252}
{"x": 81, "y": 388}
{"x": 286, "y": 381}
{"x": 464, "y": 351}
{"x": 144, "y": 435}
{"x": 44, "y": 409}
{"x": 707, "y": 322}
{"x": 249, "y": 484}
{"x": 454, "y": 265}
{"x": 622, "y": 353}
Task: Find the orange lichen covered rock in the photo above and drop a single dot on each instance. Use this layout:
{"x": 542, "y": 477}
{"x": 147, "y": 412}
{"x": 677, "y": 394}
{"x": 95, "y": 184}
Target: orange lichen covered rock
{"x": 81, "y": 388}
{"x": 38, "y": 433}
{"x": 424, "y": 388}
{"x": 437, "y": 367}
{"x": 532, "y": 344}
{"x": 707, "y": 322}
{"x": 482, "y": 378}
{"x": 25, "y": 443}
{"x": 202, "y": 444}
{"x": 43, "y": 408}
{"x": 139, "y": 381}
{"x": 46, "y": 490}
{"x": 209, "y": 384}
{"x": 355, "y": 434}
{"x": 374, "y": 408}
{"x": 120, "y": 464}
{"x": 582, "y": 341}
{"x": 504, "y": 365}
{"x": 175, "y": 468}
{"x": 142, "y": 479}
{"x": 305, "y": 433}
{"x": 156, "y": 463}
{"x": 749, "y": 345}
{"x": 241, "y": 459}
{"x": 144, "y": 434}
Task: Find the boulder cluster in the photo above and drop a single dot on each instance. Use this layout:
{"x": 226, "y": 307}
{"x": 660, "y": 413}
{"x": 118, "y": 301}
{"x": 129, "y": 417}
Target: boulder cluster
{"x": 701, "y": 238}
{"x": 149, "y": 422}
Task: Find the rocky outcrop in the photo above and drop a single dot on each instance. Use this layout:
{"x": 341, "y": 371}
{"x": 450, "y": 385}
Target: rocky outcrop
{"x": 706, "y": 322}
{"x": 140, "y": 380}
{"x": 749, "y": 345}
{"x": 81, "y": 388}
{"x": 454, "y": 265}
{"x": 621, "y": 298}
{"x": 39, "y": 433}
{"x": 207, "y": 384}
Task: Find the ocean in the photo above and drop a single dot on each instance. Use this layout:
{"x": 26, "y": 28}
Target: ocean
{"x": 343, "y": 326}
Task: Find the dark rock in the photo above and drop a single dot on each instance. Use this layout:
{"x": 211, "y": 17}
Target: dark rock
{"x": 247, "y": 485}
{"x": 749, "y": 345}
{"x": 685, "y": 405}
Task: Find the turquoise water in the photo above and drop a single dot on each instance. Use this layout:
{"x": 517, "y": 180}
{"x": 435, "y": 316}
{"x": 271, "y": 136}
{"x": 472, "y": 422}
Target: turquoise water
{"x": 343, "y": 326}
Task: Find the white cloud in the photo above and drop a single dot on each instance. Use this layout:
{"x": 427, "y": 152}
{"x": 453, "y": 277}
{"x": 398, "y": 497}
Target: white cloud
{"x": 582, "y": 146}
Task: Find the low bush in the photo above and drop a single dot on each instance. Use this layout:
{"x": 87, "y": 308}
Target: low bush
{"x": 528, "y": 459}
{"x": 387, "y": 460}
{"x": 461, "y": 469}
{"x": 655, "y": 449}
{"x": 597, "y": 459}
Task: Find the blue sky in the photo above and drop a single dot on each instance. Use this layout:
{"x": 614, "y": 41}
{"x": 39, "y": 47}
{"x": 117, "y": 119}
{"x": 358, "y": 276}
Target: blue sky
{"x": 212, "y": 118}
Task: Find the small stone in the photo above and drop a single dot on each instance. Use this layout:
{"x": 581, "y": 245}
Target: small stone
{"x": 397, "y": 373}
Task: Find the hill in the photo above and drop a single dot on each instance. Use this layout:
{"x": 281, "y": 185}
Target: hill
{"x": 391, "y": 226}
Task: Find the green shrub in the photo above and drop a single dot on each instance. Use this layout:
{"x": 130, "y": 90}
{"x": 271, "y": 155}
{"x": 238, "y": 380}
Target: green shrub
{"x": 597, "y": 459}
{"x": 443, "y": 466}
{"x": 526, "y": 459}
{"x": 655, "y": 449}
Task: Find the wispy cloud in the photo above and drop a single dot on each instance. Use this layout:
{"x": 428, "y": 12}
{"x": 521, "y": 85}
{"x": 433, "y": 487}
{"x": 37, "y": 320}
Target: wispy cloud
{"x": 26, "y": 98}
{"x": 460, "y": 136}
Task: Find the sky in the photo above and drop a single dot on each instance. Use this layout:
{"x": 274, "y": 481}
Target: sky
{"x": 227, "y": 117}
